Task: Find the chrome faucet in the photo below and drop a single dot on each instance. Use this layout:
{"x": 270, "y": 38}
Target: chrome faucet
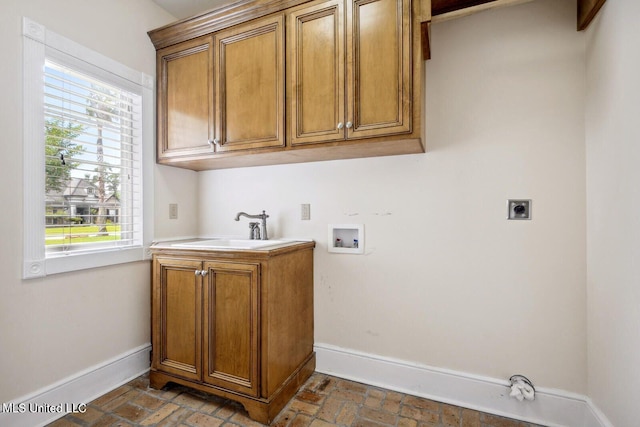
{"x": 254, "y": 230}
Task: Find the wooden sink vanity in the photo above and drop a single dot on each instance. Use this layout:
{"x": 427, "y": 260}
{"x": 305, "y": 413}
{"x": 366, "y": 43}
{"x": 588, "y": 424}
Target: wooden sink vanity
{"x": 234, "y": 323}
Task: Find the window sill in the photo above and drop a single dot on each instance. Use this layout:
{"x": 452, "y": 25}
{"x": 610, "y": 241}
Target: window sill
{"x": 82, "y": 261}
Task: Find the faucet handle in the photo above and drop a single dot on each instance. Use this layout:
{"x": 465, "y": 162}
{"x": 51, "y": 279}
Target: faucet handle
{"x": 254, "y": 230}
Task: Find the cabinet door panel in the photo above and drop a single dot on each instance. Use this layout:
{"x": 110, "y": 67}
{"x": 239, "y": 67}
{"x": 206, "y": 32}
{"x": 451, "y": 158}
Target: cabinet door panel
{"x": 316, "y": 73}
{"x": 231, "y": 335}
{"x": 250, "y": 82}
{"x": 177, "y": 318}
{"x": 185, "y": 101}
{"x": 379, "y": 67}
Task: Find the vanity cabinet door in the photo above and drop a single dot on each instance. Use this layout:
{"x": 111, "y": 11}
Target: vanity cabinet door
{"x": 250, "y": 85}
{"x": 185, "y": 99}
{"x": 231, "y": 329}
{"x": 315, "y": 73}
{"x": 177, "y": 317}
{"x": 379, "y": 64}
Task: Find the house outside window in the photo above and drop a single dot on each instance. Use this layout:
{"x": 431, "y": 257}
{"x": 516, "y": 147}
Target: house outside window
{"x": 88, "y": 139}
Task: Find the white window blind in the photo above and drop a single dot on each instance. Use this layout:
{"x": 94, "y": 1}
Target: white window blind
{"x": 92, "y": 157}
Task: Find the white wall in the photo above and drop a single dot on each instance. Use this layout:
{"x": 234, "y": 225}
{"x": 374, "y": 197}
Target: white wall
{"x": 179, "y": 186}
{"x": 613, "y": 225}
{"x": 56, "y": 327}
{"x": 446, "y": 281}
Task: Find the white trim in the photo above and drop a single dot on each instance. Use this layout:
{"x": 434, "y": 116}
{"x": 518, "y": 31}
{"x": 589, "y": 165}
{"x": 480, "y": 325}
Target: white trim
{"x": 33, "y": 30}
{"x": 103, "y": 258}
{"x": 553, "y": 408}
{"x": 148, "y": 161}
{"x": 78, "y": 389}
{"x": 598, "y": 415}
{"x": 32, "y": 130}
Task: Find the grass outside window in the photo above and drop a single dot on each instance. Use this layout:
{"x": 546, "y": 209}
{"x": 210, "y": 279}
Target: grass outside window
{"x": 80, "y": 234}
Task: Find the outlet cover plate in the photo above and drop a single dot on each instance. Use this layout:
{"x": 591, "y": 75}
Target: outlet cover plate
{"x": 173, "y": 211}
{"x": 305, "y": 211}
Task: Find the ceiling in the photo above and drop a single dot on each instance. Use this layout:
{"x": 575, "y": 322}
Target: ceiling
{"x": 186, "y": 8}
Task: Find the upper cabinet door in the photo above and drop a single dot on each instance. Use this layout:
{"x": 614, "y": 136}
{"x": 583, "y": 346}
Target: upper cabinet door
{"x": 185, "y": 98}
{"x": 250, "y": 85}
{"x": 378, "y": 67}
{"x": 315, "y": 42}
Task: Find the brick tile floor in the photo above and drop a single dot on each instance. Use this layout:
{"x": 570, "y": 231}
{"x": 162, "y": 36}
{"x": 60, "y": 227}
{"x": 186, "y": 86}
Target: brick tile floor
{"x": 323, "y": 401}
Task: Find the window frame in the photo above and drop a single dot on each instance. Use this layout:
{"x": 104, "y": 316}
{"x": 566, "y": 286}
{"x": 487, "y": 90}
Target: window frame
{"x": 40, "y": 43}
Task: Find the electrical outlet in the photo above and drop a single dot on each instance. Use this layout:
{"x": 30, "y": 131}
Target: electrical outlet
{"x": 173, "y": 211}
{"x": 305, "y": 211}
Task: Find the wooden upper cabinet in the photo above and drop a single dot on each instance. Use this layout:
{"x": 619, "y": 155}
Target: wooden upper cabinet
{"x": 185, "y": 98}
{"x": 249, "y": 76}
{"x": 377, "y": 89}
{"x": 378, "y": 67}
{"x": 342, "y": 79}
{"x": 316, "y": 84}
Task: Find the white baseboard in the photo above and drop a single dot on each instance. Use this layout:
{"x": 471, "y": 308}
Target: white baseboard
{"x": 71, "y": 393}
{"x": 553, "y": 408}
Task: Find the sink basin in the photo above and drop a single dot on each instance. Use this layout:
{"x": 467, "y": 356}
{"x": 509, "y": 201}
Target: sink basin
{"x": 229, "y": 244}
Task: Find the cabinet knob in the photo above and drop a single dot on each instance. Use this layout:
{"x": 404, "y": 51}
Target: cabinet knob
{"x": 349, "y": 125}
{"x": 198, "y": 272}
{"x": 203, "y": 272}
{"x": 340, "y": 125}
{"x": 214, "y": 141}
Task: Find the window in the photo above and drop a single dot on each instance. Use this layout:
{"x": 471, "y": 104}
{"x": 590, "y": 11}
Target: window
{"x": 88, "y": 140}
{"x": 91, "y": 162}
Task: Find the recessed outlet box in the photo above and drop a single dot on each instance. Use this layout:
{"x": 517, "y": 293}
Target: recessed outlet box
{"x": 346, "y": 238}
{"x": 519, "y": 209}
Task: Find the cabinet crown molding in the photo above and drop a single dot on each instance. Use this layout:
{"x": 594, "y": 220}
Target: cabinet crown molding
{"x": 216, "y": 20}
